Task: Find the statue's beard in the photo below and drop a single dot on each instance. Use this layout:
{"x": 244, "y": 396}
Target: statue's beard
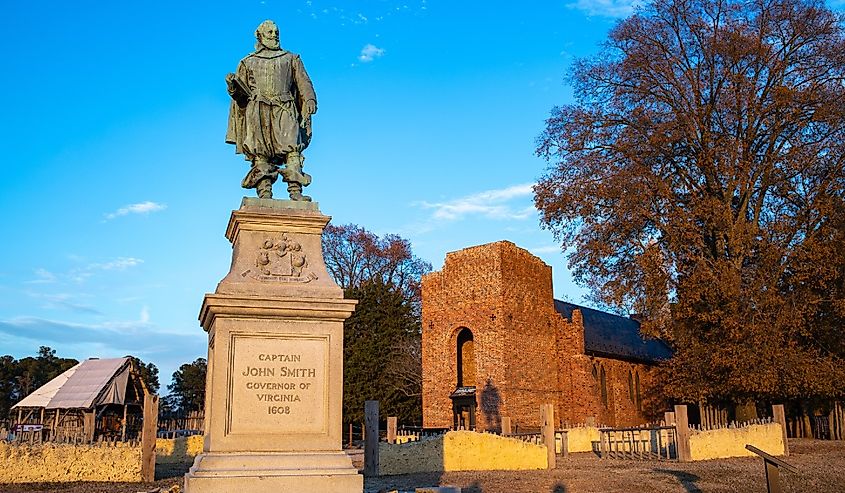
{"x": 270, "y": 44}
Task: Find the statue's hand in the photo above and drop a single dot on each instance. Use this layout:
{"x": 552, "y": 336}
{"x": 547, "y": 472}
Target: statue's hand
{"x": 230, "y": 83}
{"x": 310, "y": 107}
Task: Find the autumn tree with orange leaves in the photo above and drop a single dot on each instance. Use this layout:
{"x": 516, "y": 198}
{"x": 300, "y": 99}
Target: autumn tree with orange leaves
{"x": 381, "y": 350}
{"x": 698, "y": 179}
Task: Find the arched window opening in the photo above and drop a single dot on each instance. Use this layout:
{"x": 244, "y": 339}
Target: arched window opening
{"x": 603, "y": 386}
{"x": 639, "y": 399}
{"x": 466, "y": 359}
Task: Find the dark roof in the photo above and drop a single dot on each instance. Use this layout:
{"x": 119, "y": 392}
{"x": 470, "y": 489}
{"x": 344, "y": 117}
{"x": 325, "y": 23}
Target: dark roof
{"x": 606, "y": 334}
{"x": 463, "y": 391}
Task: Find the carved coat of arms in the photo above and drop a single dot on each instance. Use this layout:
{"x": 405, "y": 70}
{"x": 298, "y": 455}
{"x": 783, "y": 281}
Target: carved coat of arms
{"x": 281, "y": 260}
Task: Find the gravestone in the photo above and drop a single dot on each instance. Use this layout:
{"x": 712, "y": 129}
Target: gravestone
{"x": 275, "y": 360}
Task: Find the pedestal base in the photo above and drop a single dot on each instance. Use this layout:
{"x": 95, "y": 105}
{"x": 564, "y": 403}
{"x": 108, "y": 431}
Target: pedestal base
{"x": 280, "y": 472}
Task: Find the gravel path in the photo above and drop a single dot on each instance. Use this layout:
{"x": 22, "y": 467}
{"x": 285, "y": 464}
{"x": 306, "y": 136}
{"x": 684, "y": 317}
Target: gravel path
{"x": 821, "y": 465}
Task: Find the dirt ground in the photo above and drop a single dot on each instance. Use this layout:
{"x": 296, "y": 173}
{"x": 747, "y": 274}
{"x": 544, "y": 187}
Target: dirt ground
{"x": 821, "y": 467}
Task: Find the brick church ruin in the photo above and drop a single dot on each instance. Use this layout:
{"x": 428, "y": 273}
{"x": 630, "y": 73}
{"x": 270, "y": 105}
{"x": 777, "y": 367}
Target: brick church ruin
{"x": 496, "y": 343}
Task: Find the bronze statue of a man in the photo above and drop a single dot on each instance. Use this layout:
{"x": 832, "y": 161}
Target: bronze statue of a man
{"x": 270, "y": 114}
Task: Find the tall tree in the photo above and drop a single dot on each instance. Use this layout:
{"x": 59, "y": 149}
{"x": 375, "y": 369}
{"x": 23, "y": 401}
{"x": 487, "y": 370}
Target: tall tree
{"x": 699, "y": 179}
{"x": 19, "y": 378}
{"x": 148, "y": 373}
{"x": 187, "y": 391}
{"x": 377, "y": 339}
{"x": 382, "y": 338}
{"x": 33, "y": 372}
{"x": 354, "y": 256}
{"x": 8, "y": 384}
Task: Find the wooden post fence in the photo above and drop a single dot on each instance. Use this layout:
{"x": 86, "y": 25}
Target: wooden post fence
{"x": 371, "y": 438}
{"x": 506, "y": 425}
{"x": 547, "y": 420}
{"x": 771, "y": 465}
{"x": 780, "y": 417}
{"x": 148, "y": 438}
{"x": 682, "y": 433}
{"x": 391, "y": 429}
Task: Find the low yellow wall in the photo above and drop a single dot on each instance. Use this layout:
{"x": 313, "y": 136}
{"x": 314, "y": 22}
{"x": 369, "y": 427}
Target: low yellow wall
{"x": 461, "y": 451}
{"x": 581, "y": 439}
{"x": 730, "y": 442}
{"x": 172, "y": 451}
{"x": 63, "y": 463}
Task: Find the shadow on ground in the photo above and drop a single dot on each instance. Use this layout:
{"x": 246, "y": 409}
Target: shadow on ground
{"x": 686, "y": 479}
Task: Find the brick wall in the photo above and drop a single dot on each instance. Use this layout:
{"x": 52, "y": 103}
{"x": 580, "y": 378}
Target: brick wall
{"x": 526, "y": 354}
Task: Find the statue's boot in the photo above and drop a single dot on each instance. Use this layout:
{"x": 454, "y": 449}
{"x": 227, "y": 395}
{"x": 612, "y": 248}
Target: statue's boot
{"x": 261, "y": 176}
{"x": 293, "y": 175}
{"x": 264, "y": 188}
{"x": 295, "y": 192}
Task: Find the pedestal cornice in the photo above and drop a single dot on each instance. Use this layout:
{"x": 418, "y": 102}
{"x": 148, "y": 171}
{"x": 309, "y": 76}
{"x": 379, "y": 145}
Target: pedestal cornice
{"x": 223, "y": 305}
{"x": 272, "y": 221}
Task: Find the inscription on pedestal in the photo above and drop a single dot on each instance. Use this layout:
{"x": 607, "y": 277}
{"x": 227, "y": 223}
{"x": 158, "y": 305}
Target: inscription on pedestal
{"x": 278, "y": 384}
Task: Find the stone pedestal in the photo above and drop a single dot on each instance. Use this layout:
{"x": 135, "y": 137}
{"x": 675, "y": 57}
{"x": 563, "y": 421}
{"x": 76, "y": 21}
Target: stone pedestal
{"x": 275, "y": 360}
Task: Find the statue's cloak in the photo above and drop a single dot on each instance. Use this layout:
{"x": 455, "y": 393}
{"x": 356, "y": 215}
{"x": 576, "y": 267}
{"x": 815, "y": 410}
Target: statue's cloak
{"x": 265, "y": 113}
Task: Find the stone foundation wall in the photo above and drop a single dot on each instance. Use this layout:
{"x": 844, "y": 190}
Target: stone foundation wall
{"x": 64, "y": 463}
{"x": 730, "y": 442}
{"x": 461, "y": 451}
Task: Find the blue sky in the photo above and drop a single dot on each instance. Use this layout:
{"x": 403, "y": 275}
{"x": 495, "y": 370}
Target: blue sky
{"x": 117, "y": 184}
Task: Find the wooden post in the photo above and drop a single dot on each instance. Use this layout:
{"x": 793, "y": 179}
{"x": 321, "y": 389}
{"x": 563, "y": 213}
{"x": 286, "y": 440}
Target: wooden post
{"x": 148, "y": 438}
{"x": 391, "y": 429}
{"x": 669, "y": 418}
{"x": 602, "y": 448}
{"x": 506, "y": 425}
{"x": 123, "y": 425}
{"x": 547, "y": 420}
{"x": 771, "y": 465}
{"x": 371, "y": 440}
{"x": 88, "y": 425}
{"x": 780, "y": 418}
{"x": 564, "y": 443}
{"x": 350, "y": 435}
{"x": 683, "y": 434}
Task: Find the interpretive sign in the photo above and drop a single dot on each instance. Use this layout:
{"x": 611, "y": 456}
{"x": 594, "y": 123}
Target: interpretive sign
{"x": 278, "y": 384}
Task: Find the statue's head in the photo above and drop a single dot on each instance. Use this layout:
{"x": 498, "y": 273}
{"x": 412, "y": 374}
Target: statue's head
{"x": 267, "y": 36}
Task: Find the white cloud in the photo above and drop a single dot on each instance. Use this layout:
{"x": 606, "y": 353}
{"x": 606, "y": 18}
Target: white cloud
{"x": 139, "y": 208}
{"x": 545, "y": 249}
{"x": 606, "y": 8}
{"x": 137, "y": 334}
{"x": 64, "y": 300}
{"x": 493, "y": 204}
{"x": 118, "y": 264}
{"x": 145, "y": 314}
{"x": 370, "y": 52}
{"x": 43, "y": 276}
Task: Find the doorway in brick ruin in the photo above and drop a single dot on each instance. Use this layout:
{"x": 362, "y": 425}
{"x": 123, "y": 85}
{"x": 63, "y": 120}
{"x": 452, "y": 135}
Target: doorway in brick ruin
{"x": 463, "y": 398}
